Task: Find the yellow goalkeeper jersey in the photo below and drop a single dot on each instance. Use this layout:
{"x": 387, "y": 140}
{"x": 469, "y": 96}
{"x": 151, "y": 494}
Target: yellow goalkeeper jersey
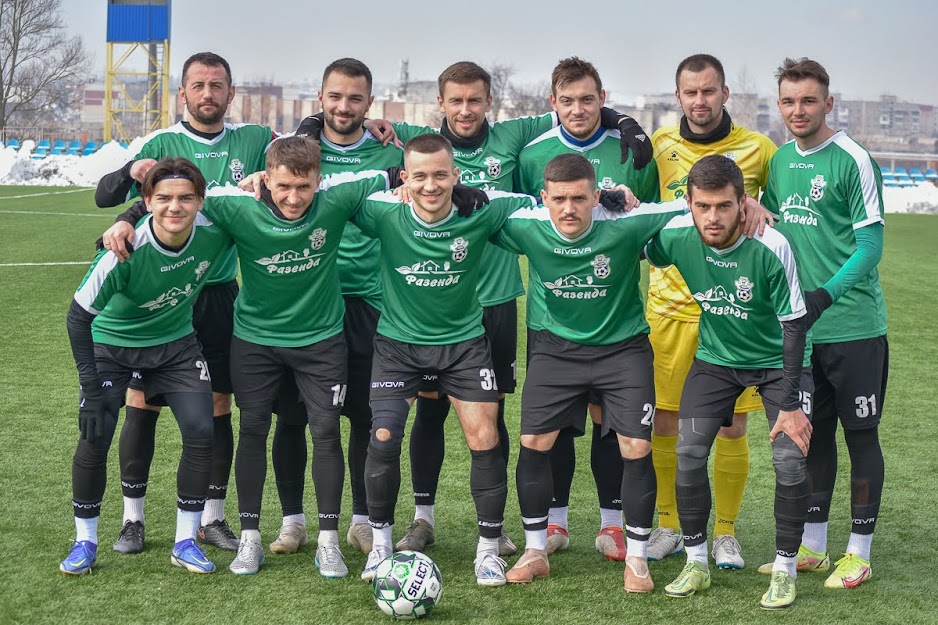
{"x": 668, "y": 295}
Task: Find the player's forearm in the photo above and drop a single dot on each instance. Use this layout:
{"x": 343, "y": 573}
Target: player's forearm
{"x": 867, "y": 255}
{"x": 793, "y": 345}
{"x": 114, "y": 188}
{"x": 78, "y": 321}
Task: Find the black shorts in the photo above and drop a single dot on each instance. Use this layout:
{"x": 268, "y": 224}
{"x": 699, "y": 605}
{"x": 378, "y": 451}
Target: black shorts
{"x": 174, "y": 367}
{"x": 710, "y": 391}
{"x": 464, "y": 369}
{"x": 258, "y": 373}
{"x": 213, "y": 320}
{"x": 562, "y": 375}
{"x": 850, "y": 381}
{"x": 361, "y": 325}
{"x": 501, "y": 328}
{"x": 532, "y": 338}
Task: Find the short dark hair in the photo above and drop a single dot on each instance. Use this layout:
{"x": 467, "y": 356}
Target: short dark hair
{"x": 698, "y": 63}
{"x": 209, "y": 59}
{"x": 569, "y": 168}
{"x": 463, "y": 73}
{"x": 714, "y": 172}
{"x": 300, "y": 155}
{"x": 173, "y": 168}
{"x": 804, "y": 68}
{"x": 573, "y": 69}
{"x": 428, "y": 144}
{"x": 353, "y": 68}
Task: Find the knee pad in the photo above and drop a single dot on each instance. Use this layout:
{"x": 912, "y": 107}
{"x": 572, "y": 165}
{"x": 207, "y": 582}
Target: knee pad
{"x": 692, "y": 464}
{"x": 390, "y": 415}
{"x": 790, "y": 465}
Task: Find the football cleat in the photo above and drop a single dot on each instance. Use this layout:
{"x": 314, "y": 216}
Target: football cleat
{"x": 693, "y": 578}
{"x": 188, "y": 555}
{"x": 808, "y": 562}
{"x": 611, "y": 543}
{"x": 781, "y": 592}
{"x": 249, "y": 559}
{"x": 375, "y": 557}
{"x": 637, "y": 577}
{"x": 664, "y": 542}
{"x": 849, "y": 572}
{"x": 218, "y": 533}
{"x": 81, "y": 557}
{"x": 558, "y": 539}
{"x": 330, "y": 562}
{"x": 506, "y": 547}
{"x": 418, "y": 537}
{"x": 490, "y": 569}
{"x": 531, "y": 565}
{"x": 360, "y": 536}
{"x": 727, "y": 553}
{"x": 292, "y": 536}
{"x": 130, "y": 540}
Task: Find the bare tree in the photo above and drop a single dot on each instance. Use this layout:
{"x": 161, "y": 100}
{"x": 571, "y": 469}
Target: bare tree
{"x": 744, "y": 99}
{"x": 39, "y": 62}
{"x": 501, "y": 78}
{"x": 527, "y": 99}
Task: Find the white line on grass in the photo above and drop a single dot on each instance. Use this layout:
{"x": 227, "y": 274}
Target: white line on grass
{"x": 57, "y": 214}
{"x": 19, "y": 197}
{"x": 43, "y": 264}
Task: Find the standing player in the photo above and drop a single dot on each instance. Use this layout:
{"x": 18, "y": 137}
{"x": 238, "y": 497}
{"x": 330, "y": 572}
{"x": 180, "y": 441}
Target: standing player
{"x": 828, "y": 192}
{"x": 593, "y": 341}
{"x": 432, "y": 324}
{"x": 752, "y": 333}
{"x": 705, "y": 128}
{"x": 225, "y": 153}
{"x": 577, "y": 97}
{"x": 137, "y": 316}
{"x": 486, "y": 155}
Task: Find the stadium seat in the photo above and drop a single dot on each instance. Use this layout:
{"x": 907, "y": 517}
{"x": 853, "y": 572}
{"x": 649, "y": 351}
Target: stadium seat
{"x": 74, "y": 145}
{"x": 885, "y": 170}
{"x": 44, "y": 144}
{"x": 73, "y": 152}
{"x": 890, "y": 182}
{"x": 931, "y": 174}
{"x": 90, "y": 148}
{"x": 900, "y": 171}
{"x": 13, "y": 143}
{"x": 123, "y": 144}
{"x": 59, "y": 144}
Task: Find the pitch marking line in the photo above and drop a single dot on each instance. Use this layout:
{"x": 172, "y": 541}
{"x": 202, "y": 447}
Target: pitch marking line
{"x": 102, "y": 214}
{"x": 43, "y": 264}
{"x": 20, "y": 197}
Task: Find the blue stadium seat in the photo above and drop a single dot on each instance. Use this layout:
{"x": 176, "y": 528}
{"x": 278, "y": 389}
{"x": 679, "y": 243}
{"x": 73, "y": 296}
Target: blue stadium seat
{"x": 13, "y": 143}
{"x": 931, "y": 174}
{"x": 76, "y": 145}
{"x": 44, "y": 144}
{"x": 890, "y": 182}
{"x": 90, "y": 148}
{"x": 73, "y": 152}
{"x": 900, "y": 171}
{"x": 59, "y": 144}
{"x": 123, "y": 144}
{"x": 885, "y": 170}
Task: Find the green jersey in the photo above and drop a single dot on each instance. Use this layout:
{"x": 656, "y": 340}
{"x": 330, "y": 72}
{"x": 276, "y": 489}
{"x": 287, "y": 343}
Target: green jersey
{"x": 491, "y": 166}
{"x": 290, "y": 294}
{"x": 147, "y": 299}
{"x": 591, "y": 283}
{"x": 358, "y": 254}
{"x": 743, "y": 291}
{"x": 823, "y": 195}
{"x": 224, "y": 161}
{"x": 604, "y": 152}
{"x": 429, "y": 272}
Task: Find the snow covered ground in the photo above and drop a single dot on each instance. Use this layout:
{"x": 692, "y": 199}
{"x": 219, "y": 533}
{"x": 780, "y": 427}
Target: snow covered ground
{"x": 19, "y": 168}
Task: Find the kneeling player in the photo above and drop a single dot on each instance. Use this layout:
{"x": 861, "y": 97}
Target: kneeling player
{"x": 137, "y": 316}
{"x": 594, "y": 339}
{"x": 752, "y": 333}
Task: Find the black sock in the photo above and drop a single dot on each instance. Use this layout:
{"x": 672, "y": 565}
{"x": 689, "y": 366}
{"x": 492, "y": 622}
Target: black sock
{"x": 251, "y": 466}
{"x": 790, "y": 513}
{"x": 359, "y": 434}
{"x": 488, "y": 481}
{"x": 89, "y": 478}
{"x": 866, "y": 478}
{"x": 135, "y": 449}
{"x": 606, "y": 463}
{"x": 192, "y": 476}
{"x": 289, "y": 454}
{"x": 534, "y": 482}
{"x": 222, "y": 456}
{"x": 821, "y": 465}
{"x": 504, "y": 444}
{"x": 427, "y": 448}
{"x": 639, "y": 489}
{"x": 382, "y": 482}
{"x": 328, "y": 469}
{"x": 562, "y": 465}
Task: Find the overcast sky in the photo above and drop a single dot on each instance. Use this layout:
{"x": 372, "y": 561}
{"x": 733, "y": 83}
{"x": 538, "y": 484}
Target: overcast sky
{"x": 869, "y": 47}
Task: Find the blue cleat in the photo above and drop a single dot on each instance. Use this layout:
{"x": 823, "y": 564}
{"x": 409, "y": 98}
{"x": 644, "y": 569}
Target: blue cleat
{"x": 81, "y": 557}
{"x": 188, "y": 555}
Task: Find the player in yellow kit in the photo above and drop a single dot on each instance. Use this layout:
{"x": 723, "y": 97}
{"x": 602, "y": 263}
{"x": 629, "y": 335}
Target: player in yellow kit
{"x": 705, "y": 128}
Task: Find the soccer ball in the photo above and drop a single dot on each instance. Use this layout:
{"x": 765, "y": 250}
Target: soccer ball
{"x": 407, "y": 585}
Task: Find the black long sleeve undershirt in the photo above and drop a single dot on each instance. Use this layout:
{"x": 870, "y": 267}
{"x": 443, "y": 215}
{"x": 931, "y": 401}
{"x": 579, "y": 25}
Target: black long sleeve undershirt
{"x": 793, "y": 344}
{"x": 78, "y": 321}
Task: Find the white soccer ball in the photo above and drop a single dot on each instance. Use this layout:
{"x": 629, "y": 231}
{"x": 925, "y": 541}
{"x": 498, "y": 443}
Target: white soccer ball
{"x": 407, "y": 585}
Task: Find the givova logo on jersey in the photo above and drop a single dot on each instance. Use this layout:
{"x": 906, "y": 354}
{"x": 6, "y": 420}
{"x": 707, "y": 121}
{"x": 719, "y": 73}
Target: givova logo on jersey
{"x": 170, "y": 298}
{"x": 718, "y": 301}
{"x": 577, "y": 287}
{"x": 291, "y": 261}
{"x": 429, "y": 273}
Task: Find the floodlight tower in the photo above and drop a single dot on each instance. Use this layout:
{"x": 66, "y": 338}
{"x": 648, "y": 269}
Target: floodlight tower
{"x": 137, "y": 30}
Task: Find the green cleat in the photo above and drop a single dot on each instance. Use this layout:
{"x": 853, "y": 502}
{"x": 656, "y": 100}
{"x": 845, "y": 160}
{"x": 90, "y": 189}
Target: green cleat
{"x": 693, "y": 578}
{"x": 849, "y": 572}
{"x": 781, "y": 593}
{"x": 808, "y": 562}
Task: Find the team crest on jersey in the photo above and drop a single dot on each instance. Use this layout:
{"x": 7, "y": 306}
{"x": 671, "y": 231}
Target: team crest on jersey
{"x": 237, "y": 170}
{"x": 718, "y": 301}
{"x": 169, "y": 298}
{"x": 817, "y": 187}
{"x": 606, "y": 183}
{"x": 318, "y": 238}
{"x": 493, "y": 166}
{"x": 460, "y": 249}
{"x": 730, "y": 155}
{"x": 430, "y": 273}
{"x": 601, "y": 266}
{"x": 744, "y": 289}
{"x": 201, "y": 269}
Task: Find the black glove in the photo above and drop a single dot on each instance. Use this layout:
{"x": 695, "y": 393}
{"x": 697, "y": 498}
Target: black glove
{"x": 311, "y": 127}
{"x": 468, "y": 199}
{"x": 612, "y": 200}
{"x": 632, "y": 137}
{"x": 91, "y": 409}
{"x": 816, "y": 301}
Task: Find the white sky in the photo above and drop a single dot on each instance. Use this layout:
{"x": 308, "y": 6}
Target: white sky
{"x": 868, "y": 47}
